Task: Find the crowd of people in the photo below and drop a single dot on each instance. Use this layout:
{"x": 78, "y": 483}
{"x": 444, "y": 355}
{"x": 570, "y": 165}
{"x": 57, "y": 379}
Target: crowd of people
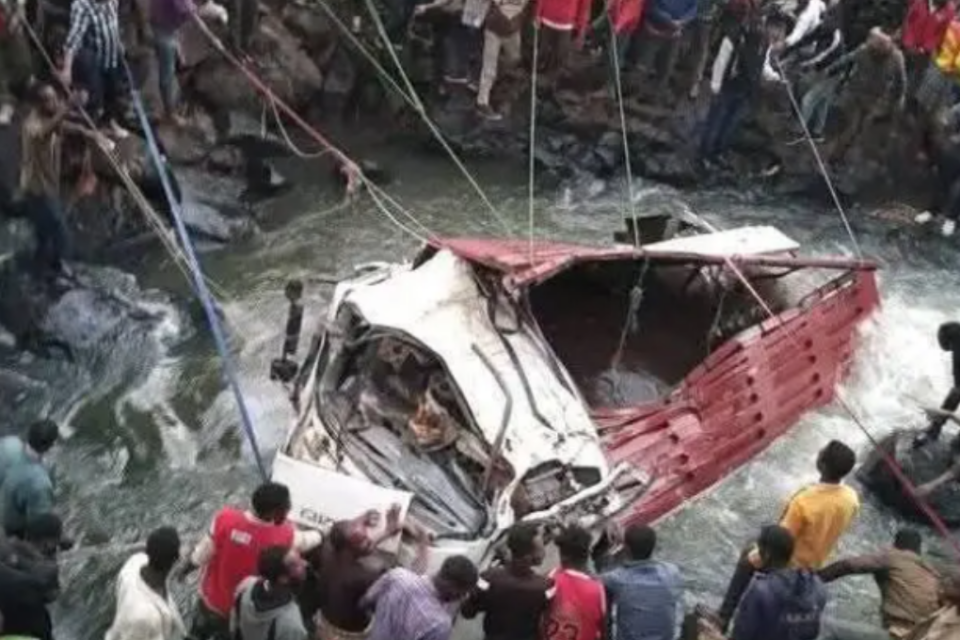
{"x": 263, "y": 578}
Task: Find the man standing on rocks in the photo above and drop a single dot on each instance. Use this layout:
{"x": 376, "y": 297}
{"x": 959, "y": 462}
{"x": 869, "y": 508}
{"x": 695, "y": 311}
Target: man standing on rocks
{"x": 876, "y": 87}
{"x": 26, "y": 489}
{"x": 664, "y": 26}
{"x": 501, "y": 34}
{"x": 41, "y": 142}
{"x": 738, "y": 71}
{"x": 166, "y": 19}
{"x": 94, "y": 50}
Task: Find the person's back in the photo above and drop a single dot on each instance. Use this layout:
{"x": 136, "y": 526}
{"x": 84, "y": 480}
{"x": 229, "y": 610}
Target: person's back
{"x": 238, "y": 538}
{"x": 13, "y": 451}
{"x": 144, "y": 606}
{"x": 406, "y": 607}
{"x": 578, "y": 607}
{"x": 258, "y": 616}
{"x": 27, "y": 491}
{"x": 342, "y": 583}
{"x": 646, "y": 596}
{"x": 29, "y": 579}
{"x": 512, "y": 604}
{"x": 909, "y": 590}
{"x": 818, "y": 515}
{"x": 786, "y": 604}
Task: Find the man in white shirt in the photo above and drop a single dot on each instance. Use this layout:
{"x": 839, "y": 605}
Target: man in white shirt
{"x": 145, "y": 610}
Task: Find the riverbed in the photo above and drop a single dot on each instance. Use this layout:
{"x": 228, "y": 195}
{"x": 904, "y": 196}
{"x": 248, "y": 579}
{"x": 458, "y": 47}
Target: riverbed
{"x": 167, "y": 448}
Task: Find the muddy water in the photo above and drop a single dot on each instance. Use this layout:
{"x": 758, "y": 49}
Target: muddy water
{"x": 168, "y": 450}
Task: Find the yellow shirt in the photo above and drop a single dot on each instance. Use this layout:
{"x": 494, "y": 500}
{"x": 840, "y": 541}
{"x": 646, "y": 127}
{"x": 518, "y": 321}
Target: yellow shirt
{"x": 817, "y": 516}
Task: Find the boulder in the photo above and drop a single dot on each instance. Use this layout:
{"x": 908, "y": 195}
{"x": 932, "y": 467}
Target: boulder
{"x": 279, "y": 61}
{"x": 920, "y": 466}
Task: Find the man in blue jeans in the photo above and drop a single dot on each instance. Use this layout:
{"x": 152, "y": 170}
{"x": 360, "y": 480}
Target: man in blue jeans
{"x": 739, "y": 68}
{"x": 166, "y": 19}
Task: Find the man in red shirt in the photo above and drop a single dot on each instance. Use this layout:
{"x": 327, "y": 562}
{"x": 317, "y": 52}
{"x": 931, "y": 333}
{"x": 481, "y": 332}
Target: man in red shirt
{"x": 578, "y": 607}
{"x": 229, "y": 552}
{"x": 923, "y": 30}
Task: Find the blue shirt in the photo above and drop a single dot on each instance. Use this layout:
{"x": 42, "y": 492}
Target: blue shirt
{"x": 26, "y": 489}
{"x": 13, "y": 451}
{"x": 645, "y": 598}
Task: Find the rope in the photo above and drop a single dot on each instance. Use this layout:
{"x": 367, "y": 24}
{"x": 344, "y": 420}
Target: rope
{"x": 297, "y": 151}
{"x": 421, "y": 109}
{"x": 200, "y": 284}
{"x": 287, "y": 110}
{"x": 891, "y": 463}
{"x": 150, "y": 215}
{"x": 615, "y": 57}
{"x": 531, "y": 171}
{"x": 816, "y": 154}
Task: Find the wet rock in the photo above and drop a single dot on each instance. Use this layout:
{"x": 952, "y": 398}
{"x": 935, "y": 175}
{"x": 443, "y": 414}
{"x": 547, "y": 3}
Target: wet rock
{"x": 280, "y": 62}
{"x": 609, "y": 149}
{"x": 207, "y": 221}
{"x": 920, "y": 466}
{"x": 95, "y": 329}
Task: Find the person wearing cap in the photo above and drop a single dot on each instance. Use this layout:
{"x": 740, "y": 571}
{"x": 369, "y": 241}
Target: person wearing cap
{"x": 29, "y": 578}
{"x": 26, "y": 488}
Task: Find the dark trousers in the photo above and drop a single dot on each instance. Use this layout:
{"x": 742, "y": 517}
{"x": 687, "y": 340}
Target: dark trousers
{"x": 658, "y": 54}
{"x": 450, "y": 48}
{"x": 50, "y": 228}
{"x": 208, "y": 625}
{"x": 950, "y": 403}
{"x": 107, "y": 87}
{"x": 742, "y": 576}
{"x": 726, "y": 112}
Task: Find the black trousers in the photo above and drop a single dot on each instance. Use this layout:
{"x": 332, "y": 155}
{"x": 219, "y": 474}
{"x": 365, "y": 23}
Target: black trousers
{"x": 742, "y": 576}
{"x": 208, "y": 624}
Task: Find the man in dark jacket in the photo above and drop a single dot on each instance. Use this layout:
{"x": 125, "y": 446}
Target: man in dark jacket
{"x": 513, "y": 597}
{"x": 29, "y": 578}
{"x": 780, "y": 603}
{"x": 948, "y": 335}
{"x": 663, "y": 27}
{"x": 738, "y": 71}
{"x": 908, "y": 587}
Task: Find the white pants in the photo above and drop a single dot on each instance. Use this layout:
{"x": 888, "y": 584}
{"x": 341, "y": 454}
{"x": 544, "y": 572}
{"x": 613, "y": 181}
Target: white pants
{"x": 492, "y": 44}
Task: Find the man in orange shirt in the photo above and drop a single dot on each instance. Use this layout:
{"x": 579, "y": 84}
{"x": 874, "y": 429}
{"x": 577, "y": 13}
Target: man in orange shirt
{"x": 816, "y": 515}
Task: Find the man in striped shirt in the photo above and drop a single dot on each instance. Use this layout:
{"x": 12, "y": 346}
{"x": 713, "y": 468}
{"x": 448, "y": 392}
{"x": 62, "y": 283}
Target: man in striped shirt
{"x": 95, "y": 52}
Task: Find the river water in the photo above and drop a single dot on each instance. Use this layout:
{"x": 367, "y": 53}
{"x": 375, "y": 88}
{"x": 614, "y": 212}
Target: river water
{"x": 166, "y": 448}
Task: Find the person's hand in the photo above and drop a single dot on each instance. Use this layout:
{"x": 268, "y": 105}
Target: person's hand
{"x": 615, "y": 534}
{"x": 370, "y": 519}
{"x": 66, "y": 76}
{"x": 420, "y": 9}
{"x": 219, "y": 13}
{"x": 393, "y": 520}
{"x": 934, "y": 413}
